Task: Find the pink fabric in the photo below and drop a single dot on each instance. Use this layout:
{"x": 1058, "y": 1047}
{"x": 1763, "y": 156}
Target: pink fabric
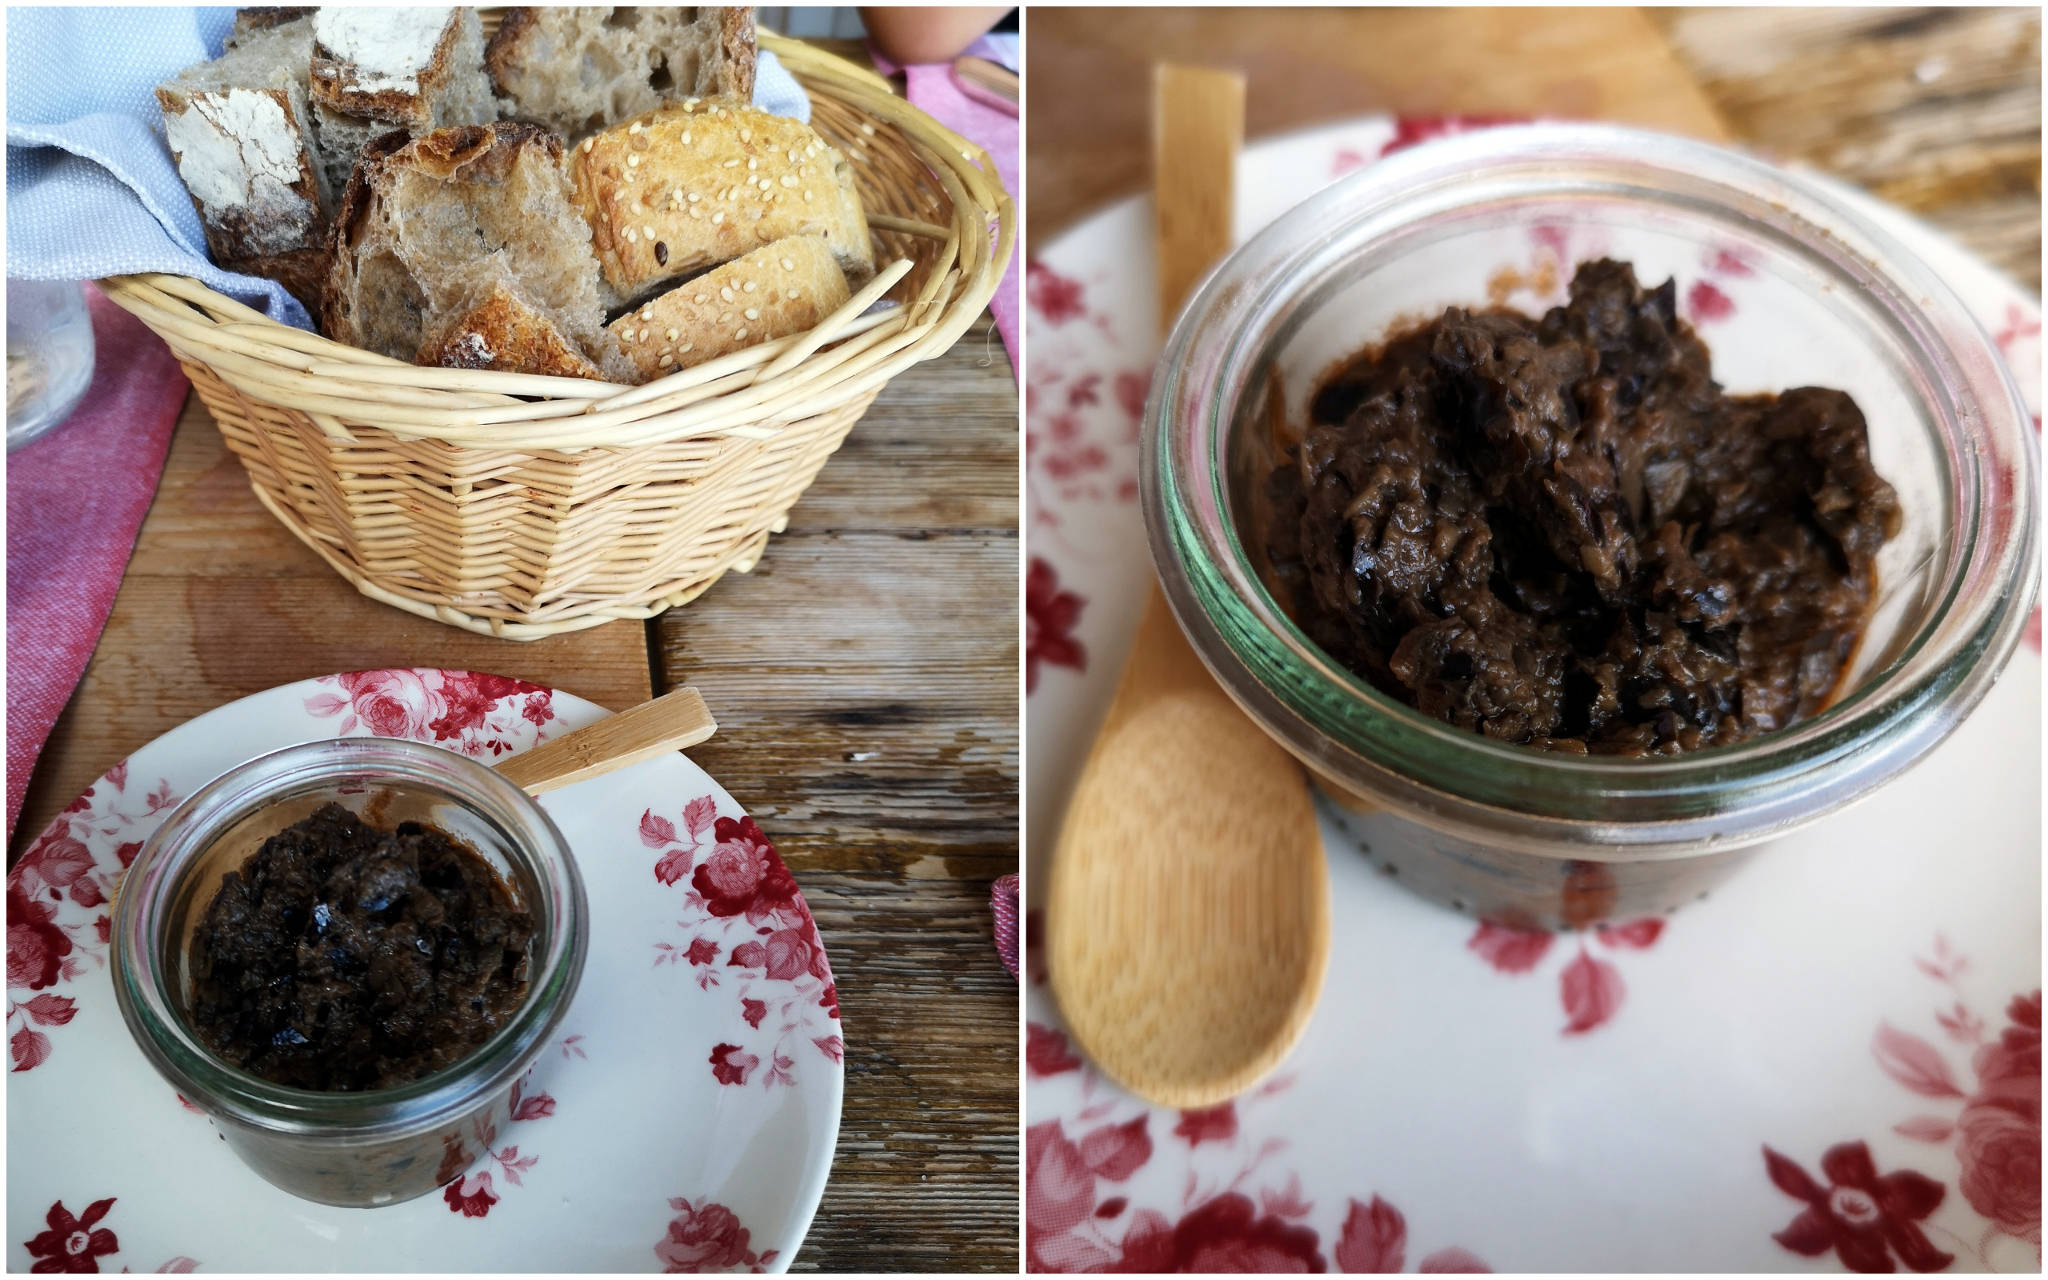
{"x": 933, "y": 90}
{"x": 1003, "y": 901}
{"x": 75, "y": 499}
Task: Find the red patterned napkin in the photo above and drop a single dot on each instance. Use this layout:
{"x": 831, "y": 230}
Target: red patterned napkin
{"x": 75, "y": 499}
{"x": 1002, "y": 899}
{"x": 934, "y": 90}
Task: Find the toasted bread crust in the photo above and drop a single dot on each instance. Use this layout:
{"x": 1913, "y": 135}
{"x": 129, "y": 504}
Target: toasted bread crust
{"x": 502, "y": 332}
{"x": 335, "y": 84}
{"x": 737, "y": 41}
{"x": 502, "y": 51}
{"x": 779, "y": 289}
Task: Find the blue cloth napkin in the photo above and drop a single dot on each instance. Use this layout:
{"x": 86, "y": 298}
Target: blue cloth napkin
{"x": 91, "y": 190}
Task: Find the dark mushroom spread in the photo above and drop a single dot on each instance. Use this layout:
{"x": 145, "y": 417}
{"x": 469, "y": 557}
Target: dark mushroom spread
{"x": 345, "y": 957}
{"x": 1562, "y": 533}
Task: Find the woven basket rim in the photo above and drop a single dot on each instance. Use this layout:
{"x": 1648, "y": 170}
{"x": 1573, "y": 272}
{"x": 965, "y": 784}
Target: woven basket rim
{"x": 849, "y": 355}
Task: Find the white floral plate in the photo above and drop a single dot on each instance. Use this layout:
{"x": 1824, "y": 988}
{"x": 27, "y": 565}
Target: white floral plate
{"x": 684, "y": 1120}
{"x": 1834, "y": 1062}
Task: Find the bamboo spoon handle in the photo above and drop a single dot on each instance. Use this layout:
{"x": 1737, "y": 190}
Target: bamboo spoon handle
{"x": 1197, "y": 129}
{"x": 668, "y": 723}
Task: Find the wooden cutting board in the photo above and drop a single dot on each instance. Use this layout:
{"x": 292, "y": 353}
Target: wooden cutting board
{"x": 1086, "y": 79}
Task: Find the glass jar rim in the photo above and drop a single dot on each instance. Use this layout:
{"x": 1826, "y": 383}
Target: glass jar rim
{"x": 1306, "y": 699}
{"x": 152, "y": 1011}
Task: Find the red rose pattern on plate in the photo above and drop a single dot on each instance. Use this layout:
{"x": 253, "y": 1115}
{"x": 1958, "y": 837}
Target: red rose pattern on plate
{"x": 75, "y": 1244}
{"x": 59, "y": 898}
{"x": 1243, "y": 1214}
{"x": 1995, "y": 1134}
{"x": 741, "y": 911}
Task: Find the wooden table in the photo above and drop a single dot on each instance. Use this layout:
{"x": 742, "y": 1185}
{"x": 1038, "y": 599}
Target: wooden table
{"x": 865, "y": 681}
{"x": 1936, "y": 110}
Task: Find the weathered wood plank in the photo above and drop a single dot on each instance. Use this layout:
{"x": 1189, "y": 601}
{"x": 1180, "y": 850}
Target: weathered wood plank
{"x": 864, "y": 677}
{"x": 1935, "y": 110}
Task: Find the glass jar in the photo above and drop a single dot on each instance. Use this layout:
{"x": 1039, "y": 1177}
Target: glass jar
{"x": 49, "y": 355}
{"x": 381, "y": 1146}
{"x": 1519, "y": 835}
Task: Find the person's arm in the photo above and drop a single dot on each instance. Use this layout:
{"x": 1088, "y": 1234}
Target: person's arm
{"x": 915, "y": 35}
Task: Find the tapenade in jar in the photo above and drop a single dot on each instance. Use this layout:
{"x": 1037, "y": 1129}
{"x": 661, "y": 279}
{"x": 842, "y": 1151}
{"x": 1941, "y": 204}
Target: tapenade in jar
{"x": 1562, "y": 532}
{"x": 342, "y": 956}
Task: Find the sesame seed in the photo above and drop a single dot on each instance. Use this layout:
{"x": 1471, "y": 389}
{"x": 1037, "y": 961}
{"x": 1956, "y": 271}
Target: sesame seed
{"x": 648, "y": 231}
{"x": 696, "y": 213}
{"x": 725, "y": 317}
{"x": 647, "y": 313}
{"x": 725, "y": 291}
{"x": 700, "y": 300}
{"x": 751, "y": 314}
{"x": 741, "y": 336}
{"x": 746, "y": 136}
{"x": 671, "y": 335}
{"x": 733, "y": 163}
{"x": 632, "y": 236}
{"x": 666, "y": 361}
{"x": 686, "y": 137}
{"x": 588, "y": 143}
{"x": 807, "y": 195}
{"x": 752, "y": 163}
{"x": 632, "y": 161}
{"x": 687, "y": 346}
{"x": 788, "y": 179}
{"x": 633, "y": 127}
{"x": 718, "y": 217}
{"x": 748, "y": 287}
{"x": 867, "y": 129}
{"x": 694, "y": 197}
{"x": 690, "y": 104}
{"x": 791, "y": 295}
{"x": 792, "y": 155}
{"x": 789, "y": 264}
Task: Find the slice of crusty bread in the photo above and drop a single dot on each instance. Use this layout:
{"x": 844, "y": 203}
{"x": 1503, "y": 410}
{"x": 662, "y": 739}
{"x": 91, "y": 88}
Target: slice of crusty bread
{"x": 578, "y": 68}
{"x": 263, "y": 19}
{"x": 375, "y": 69}
{"x": 700, "y": 182}
{"x": 779, "y": 289}
{"x": 431, "y": 228}
{"x": 504, "y": 331}
{"x": 241, "y": 135}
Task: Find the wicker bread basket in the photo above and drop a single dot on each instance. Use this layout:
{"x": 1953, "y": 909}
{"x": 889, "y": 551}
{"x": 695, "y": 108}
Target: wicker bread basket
{"x": 522, "y": 506}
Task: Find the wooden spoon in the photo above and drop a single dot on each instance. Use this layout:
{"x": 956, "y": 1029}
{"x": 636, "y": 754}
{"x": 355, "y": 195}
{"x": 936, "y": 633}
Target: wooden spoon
{"x": 668, "y": 723}
{"x": 1189, "y": 911}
